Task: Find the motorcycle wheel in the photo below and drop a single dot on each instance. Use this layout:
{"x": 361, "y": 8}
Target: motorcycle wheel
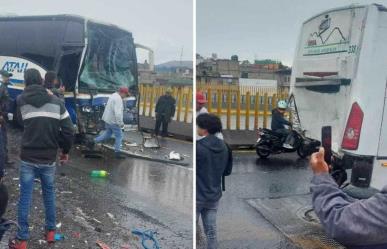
{"x": 262, "y": 153}
{"x": 302, "y": 152}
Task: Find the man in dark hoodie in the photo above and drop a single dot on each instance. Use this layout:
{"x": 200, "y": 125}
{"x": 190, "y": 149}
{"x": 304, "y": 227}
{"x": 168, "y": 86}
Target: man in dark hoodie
{"x": 47, "y": 128}
{"x": 211, "y": 161}
{"x": 278, "y": 123}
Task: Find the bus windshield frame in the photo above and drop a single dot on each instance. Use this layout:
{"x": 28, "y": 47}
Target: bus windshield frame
{"x": 110, "y": 60}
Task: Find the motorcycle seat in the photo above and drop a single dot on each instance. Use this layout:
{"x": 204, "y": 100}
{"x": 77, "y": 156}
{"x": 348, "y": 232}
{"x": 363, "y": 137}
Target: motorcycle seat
{"x": 271, "y": 132}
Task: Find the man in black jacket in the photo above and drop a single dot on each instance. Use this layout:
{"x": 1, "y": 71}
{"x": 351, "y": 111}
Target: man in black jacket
{"x": 165, "y": 110}
{"x": 212, "y": 158}
{"x": 47, "y": 128}
{"x": 5, "y": 80}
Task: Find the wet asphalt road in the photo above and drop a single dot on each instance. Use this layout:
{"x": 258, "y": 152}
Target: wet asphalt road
{"x": 138, "y": 194}
{"x": 239, "y": 224}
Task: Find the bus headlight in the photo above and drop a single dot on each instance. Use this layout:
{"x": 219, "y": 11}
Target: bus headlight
{"x": 87, "y": 109}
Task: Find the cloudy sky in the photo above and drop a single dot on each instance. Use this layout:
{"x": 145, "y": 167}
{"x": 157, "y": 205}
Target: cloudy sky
{"x": 257, "y": 28}
{"x": 166, "y": 26}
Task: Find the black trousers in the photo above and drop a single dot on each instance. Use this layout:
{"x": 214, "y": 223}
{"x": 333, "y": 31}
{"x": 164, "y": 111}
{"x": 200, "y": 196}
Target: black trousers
{"x": 287, "y": 136}
{"x": 5, "y": 141}
{"x": 161, "y": 120}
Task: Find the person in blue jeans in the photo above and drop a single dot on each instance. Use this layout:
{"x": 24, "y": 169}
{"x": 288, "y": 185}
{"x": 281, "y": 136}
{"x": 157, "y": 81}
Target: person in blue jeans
{"x": 47, "y": 129}
{"x": 113, "y": 116}
{"x": 212, "y": 157}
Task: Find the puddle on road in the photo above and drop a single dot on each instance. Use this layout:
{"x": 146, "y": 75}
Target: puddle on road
{"x": 167, "y": 185}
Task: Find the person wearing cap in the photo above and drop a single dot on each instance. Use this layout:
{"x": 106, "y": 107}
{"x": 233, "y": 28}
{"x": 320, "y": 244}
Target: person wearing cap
{"x": 165, "y": 110}
{"x": 113, "y": 116}
{"x": 201, "y": 102}
{"x": 4, "y": 105}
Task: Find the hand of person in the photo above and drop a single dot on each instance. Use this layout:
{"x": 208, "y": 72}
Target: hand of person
{"x": 317, "y": 162}
{"x": 63, "y": 158}
{"x": 49, "y": 92}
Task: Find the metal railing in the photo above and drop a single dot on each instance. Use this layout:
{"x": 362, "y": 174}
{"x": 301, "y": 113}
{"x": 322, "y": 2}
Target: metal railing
{"x": 183, "y": 96}
{"x": 242, "y": 107}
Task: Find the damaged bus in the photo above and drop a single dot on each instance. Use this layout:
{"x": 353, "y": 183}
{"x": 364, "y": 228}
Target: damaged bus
{"x": 339, "y": 80}
{"x": 92, "y": 60}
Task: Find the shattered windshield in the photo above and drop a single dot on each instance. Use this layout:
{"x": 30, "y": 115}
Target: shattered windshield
{"x": 110, "y": 60}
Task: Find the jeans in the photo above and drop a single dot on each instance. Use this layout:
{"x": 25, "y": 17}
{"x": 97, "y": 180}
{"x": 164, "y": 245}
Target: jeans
{"x": 161, "y": 120}
{"x": 46, "y": 174}
{"x": 111, "y": 129}
{"x": 209, "y": 224}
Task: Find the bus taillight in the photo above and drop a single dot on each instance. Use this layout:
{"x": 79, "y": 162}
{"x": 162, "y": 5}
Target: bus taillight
{"x": 353, "y": 129}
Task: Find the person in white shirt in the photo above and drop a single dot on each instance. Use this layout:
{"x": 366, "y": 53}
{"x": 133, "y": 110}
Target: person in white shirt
{"x": 113, "y": 117}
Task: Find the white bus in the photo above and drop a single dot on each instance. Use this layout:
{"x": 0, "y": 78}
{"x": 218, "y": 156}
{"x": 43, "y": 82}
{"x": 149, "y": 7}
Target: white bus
{"x": 92, "y": 60}
{"x": 339, "y": 79}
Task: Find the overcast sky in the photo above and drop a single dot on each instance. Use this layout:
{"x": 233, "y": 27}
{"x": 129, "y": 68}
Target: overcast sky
{"x": 256, "y": 28}
{"x": 166, "y": 26}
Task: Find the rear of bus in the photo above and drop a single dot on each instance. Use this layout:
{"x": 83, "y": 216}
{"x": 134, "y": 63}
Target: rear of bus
{"x": 331, "y": 81}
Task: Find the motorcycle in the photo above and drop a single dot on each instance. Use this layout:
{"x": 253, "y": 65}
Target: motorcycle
{"x": 269, "y": 142}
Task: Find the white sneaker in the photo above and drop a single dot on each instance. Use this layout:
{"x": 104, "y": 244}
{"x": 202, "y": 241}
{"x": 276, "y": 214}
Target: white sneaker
{"x": 287, "y": 146}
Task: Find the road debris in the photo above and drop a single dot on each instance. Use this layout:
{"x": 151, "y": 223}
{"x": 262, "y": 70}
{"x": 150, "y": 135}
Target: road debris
{"x": 131, "y": 144}
{"x": 151, "y": 142}
{"x": 175, "y": 156}
{"x": 42, "y": 242}
{"x": 76, "y": 235}
{"x": 102, "y": 245}
{"x": 59, "y": 237}
{"x": 145, "y": 236}
{"x": 66, "y": 192}
{"x": 99, "y": 173}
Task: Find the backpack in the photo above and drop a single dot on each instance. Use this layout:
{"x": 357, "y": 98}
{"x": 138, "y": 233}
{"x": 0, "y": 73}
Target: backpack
{"x": 228, "y": 170}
